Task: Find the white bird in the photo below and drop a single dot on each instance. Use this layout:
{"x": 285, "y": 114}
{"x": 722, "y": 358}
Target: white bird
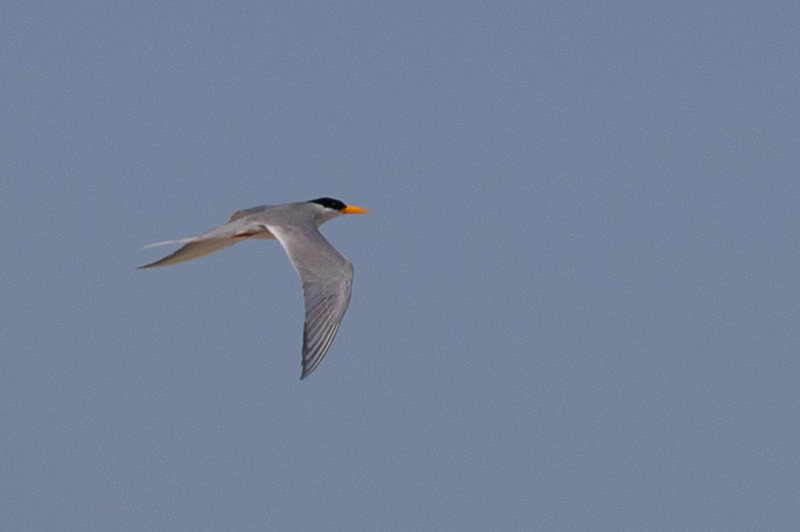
{"x": 326, "y": 275}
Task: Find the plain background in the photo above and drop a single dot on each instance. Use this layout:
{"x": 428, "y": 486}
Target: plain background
{"x": 576, "y": 301}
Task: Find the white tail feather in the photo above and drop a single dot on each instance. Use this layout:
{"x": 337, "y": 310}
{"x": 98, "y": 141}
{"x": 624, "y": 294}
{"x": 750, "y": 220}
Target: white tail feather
{"x": 170, "y": 242}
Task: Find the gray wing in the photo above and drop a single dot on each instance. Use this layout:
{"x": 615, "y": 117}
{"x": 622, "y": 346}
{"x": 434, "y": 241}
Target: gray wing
{"x": 237, "y": 229}
{"x": 327, "y": 279}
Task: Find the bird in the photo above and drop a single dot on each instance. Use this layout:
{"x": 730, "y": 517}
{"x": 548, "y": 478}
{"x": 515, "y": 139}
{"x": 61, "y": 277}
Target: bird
{"x": 325, "y": 274}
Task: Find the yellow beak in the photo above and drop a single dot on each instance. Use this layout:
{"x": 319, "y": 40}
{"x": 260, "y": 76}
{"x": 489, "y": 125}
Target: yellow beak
{"x": 351, "y": 209}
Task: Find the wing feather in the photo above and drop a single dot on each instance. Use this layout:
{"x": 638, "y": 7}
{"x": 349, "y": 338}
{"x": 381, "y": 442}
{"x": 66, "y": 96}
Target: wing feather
{"x": 327, "y": 279}
{"x": 211, "y": 241}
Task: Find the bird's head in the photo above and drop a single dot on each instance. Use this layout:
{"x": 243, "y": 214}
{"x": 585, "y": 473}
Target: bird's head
{"x": 331, "y": 208}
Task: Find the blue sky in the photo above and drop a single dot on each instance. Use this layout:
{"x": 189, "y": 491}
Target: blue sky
{"x": 576, "y": 301}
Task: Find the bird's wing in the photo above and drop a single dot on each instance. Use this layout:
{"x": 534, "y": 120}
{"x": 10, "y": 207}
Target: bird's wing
{"x": 219, "y": 238}
{"x": 327, "y": 278}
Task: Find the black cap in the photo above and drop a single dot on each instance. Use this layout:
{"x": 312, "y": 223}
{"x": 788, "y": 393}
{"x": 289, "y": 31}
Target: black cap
{"x": 330, "y": 203}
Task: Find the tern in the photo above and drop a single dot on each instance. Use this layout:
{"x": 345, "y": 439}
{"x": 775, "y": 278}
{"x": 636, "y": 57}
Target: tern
{"x": 325, "y": 274}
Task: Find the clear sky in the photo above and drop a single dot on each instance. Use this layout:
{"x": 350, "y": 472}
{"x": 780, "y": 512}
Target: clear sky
{"x": 576, "y": 302}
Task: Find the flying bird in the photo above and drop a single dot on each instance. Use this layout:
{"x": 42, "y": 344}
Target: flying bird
{"x": 326, "y": 275}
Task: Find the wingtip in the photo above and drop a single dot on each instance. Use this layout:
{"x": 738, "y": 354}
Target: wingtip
{"x": 155, "y": 264}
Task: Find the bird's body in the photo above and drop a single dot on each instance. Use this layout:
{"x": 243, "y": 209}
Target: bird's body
{"x": 326, "y": 275}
